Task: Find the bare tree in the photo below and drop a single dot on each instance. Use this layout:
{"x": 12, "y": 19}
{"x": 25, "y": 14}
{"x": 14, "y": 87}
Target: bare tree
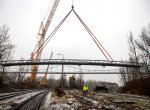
{"x": 134, "y": 57}
{"x": 144, "y": 46}
{"x": 132, "y": 48}
{"x": 132, "y": 73}
{"x": 6, "y": 48}
{"x": 123, "y": 76}
{"x": 139, "y": 51}
{"x": 20, "y": 75}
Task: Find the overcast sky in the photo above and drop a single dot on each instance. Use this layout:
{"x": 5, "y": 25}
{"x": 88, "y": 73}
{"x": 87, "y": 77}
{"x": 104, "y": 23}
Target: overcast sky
{"x": 109, "y": 20}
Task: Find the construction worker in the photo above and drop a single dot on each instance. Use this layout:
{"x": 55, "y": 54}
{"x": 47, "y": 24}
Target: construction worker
{"x": 84, "y": 89}
{"x": 87, "y": 88}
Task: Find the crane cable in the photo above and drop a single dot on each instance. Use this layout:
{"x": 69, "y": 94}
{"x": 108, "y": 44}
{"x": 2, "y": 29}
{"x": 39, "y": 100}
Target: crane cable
{"x": 88, "y": 30}
{"x": 94, "y": 38}
{"x": 50, "y": 37}
{"x": 52, "y": 34}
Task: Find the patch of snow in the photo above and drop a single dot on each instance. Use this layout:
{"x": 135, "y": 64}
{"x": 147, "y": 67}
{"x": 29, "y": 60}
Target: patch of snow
{"x": 6, "y": 104}
{"x": 92, "y": 100}
{"x": 47, "y": 101}
{"x": 59, "y": 107}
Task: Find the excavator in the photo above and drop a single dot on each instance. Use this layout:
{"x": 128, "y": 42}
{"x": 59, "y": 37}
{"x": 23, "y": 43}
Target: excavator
{"x": 36, "y": 54}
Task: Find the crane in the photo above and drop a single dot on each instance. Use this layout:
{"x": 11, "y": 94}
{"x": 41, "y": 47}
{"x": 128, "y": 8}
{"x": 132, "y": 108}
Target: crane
{"x": 42, "y": 32}
{"x": 43, "y": 82}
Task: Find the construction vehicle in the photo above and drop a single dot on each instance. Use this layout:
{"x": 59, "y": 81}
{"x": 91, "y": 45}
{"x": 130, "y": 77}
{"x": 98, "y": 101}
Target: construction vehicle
{"x": 36, "y": 55}
{"x": 101, "y": 89}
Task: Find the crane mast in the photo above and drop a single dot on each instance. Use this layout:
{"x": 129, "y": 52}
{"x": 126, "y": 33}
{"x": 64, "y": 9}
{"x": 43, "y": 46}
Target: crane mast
{"x": 42, "y": 32}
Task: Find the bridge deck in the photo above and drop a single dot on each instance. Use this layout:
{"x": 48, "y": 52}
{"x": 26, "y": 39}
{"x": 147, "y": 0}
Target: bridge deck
{"x": 74, "y": 73}
{"x": 71, "y": 62}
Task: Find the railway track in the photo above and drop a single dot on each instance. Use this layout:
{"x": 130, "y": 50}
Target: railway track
{"x": 32, "y": 103}
{"x": 112, "y": 102}
{"x": 13, "y": 94}
{"x": 86, "y": 102}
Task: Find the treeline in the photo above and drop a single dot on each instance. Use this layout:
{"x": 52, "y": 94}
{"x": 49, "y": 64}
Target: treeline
{"x": 6, "y": 52}
{"x": 137, "y": 80}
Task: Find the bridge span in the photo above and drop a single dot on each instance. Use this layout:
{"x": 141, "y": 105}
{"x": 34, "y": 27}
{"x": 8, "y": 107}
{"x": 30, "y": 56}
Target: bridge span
{"x": 74, "y": 73}
{"x": 71, "y": 62}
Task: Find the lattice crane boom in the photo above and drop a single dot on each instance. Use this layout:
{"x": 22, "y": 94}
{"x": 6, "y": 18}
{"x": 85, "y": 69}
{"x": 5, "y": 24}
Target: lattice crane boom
{"x": 43, "y": 82}
{"x": 50, "y": 17}
{"x": 42, "y": 32}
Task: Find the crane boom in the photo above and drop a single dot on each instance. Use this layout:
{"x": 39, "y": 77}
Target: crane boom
{"x": 44, "y": 30}
{"x": 42, "y": 33}
{"x": 50, "y": 17}
{"x": 43, "y": 82}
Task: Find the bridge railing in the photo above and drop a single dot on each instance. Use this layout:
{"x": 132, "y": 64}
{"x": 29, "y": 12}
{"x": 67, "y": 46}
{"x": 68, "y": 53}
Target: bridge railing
{"x": 70, "y": 62}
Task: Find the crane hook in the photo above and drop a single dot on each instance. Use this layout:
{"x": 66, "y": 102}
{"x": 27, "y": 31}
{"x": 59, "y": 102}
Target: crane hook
{"x": 72, "y": 5}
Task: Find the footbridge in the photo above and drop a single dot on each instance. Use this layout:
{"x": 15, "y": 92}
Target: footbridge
{"x": 71, "y": 62}
{"x": 74, "y": 73}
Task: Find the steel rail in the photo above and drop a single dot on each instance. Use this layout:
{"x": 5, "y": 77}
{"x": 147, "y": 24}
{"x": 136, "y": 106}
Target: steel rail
{"x": 10, "y": 95}
{"x": 37, "y": 106}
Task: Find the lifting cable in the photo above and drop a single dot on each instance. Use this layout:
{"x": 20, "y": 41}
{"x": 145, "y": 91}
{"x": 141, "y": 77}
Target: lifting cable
{"x": 52, "y": 34}
{"x": 56, "y": 29}
{"x": 94, "y": 39}
{"x": 99, "y": 45}
{"x": 49, "y": 38}
{"x": 35, "y": 47}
